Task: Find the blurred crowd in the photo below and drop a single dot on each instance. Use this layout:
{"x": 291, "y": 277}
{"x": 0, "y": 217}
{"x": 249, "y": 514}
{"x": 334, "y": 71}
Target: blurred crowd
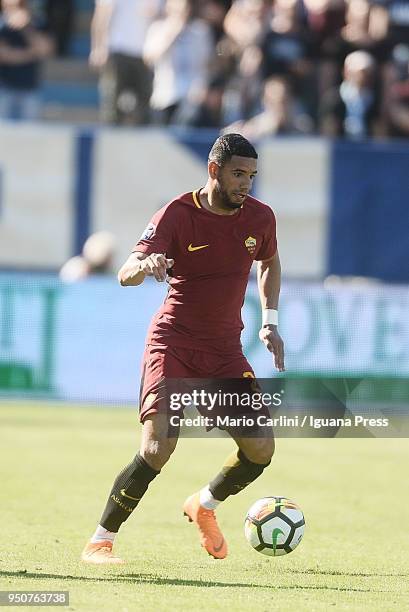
{"x": 261, "y": 67}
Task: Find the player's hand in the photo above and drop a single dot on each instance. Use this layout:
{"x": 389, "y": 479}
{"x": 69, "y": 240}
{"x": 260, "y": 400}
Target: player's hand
{"x": 156, "y": 265}
{"x": 273, "y": 341}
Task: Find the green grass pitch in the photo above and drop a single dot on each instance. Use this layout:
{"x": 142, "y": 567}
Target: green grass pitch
{"x": 57, "y": 464}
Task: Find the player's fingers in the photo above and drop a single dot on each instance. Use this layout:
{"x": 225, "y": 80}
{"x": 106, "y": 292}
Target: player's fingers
{"x": 159, "y": 259}
{"x": 278, "y": 350}
{"x": 153, "y": 269}
{"x": 160, "y": 267}
{"x": 155, "y": 263}
{"x": 161, "y": 272}
{"x": 169, "y": 263}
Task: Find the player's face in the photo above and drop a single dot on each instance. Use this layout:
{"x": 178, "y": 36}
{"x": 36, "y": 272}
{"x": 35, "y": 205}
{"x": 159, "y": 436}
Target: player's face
{"x": 235, "y": 180}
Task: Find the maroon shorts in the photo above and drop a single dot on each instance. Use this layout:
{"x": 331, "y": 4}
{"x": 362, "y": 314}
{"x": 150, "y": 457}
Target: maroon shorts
{"x": 164, "y": 362}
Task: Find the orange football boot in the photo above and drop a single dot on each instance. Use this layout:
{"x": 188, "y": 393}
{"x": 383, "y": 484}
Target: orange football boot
{"x": 99, "y": 553}
{"x": 211, "y": 537}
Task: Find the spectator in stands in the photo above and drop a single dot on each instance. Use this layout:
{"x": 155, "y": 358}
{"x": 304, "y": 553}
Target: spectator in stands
{"x": 245, "y": 25}
{"x": 397, "y": 93}
{"x": 397, "y": 12}
{"x": 96, "y": 258}
{"x": 246, "y": 22}
{"x": 287, "y": 49}
{"x": 208, "y": 112}
{"x": 325, "y": 18}
{"x": 118, "y": 32}
{"x": 60, "y": 21}
{"x": 214, "y": 12}
{"x": 23, "y": 46}
{"x": 352, "y": 109}
{"x": 280, "y": 115}
{"x": 365, "y": 29}
{"x": 179, "y": 48}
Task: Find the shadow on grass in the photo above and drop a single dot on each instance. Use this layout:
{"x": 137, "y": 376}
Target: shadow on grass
{"x": 154, "y": 579}
{"x": 317, "y": 572}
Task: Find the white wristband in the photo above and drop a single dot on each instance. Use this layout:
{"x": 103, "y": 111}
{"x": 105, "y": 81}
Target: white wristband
{"x": 270, "y": 316}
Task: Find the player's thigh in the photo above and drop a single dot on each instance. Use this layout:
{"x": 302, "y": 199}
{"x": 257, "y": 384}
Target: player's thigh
{"x": 234, "y": 366}
{"x": 163, "y": 371}
{"x": 256, "y": 441}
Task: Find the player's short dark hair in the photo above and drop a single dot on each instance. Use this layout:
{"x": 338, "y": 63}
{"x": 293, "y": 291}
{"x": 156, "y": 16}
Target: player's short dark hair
{"x": 228, "y": 145}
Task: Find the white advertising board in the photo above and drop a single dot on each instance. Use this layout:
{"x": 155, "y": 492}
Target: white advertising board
{"x": 36, "y": 209}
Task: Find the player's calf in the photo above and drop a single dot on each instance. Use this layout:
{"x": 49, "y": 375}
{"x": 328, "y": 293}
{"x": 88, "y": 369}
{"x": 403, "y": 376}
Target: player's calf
{"x": 236, "y": 474}
{"x": 156, "y": 445}
{"x": 128, "y": 489}
{"x": 156, "y": 453}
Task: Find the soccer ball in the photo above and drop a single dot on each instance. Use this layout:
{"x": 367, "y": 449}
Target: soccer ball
{"x": 274, "y": 526}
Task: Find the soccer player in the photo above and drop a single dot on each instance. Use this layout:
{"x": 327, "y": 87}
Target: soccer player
{"x": 204, "y": 243}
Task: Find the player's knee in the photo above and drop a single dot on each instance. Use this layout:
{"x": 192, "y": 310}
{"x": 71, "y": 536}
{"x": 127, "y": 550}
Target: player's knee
{"x": 157, "y": 453}
{"x": 261, "y": 450}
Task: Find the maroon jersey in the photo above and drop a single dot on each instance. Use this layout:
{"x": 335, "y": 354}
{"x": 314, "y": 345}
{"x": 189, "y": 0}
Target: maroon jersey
{"x": 213, "y": 255}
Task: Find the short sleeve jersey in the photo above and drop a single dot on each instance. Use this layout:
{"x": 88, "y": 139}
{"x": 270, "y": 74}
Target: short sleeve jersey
{"x": 212, "y": 257}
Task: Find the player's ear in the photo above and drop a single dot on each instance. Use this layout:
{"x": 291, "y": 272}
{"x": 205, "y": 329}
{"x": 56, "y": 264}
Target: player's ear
{"x": 213, "y": 169}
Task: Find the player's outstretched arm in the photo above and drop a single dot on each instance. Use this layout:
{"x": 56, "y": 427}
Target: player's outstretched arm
{"x": 140, "y": 265}
{"x": 269, "y": 282}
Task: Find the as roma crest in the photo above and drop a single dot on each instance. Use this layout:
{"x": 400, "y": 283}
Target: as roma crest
{"x": 250, "y": 244}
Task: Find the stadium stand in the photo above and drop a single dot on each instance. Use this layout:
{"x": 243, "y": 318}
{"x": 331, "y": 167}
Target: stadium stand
{"x": 70, "y": 89}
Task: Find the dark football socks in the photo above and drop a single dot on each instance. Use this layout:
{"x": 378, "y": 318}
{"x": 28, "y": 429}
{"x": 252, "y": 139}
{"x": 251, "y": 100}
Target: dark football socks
{"x": 236, "y": 474}
{"x": 129, "y": 488}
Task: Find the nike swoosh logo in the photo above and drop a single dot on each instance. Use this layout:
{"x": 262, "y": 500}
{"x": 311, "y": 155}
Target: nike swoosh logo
{"x": 218, "y": 548}
{"x": 276, "y": 533}
{"x": 192, "y": 248}
{"x": 128, "y": 496}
